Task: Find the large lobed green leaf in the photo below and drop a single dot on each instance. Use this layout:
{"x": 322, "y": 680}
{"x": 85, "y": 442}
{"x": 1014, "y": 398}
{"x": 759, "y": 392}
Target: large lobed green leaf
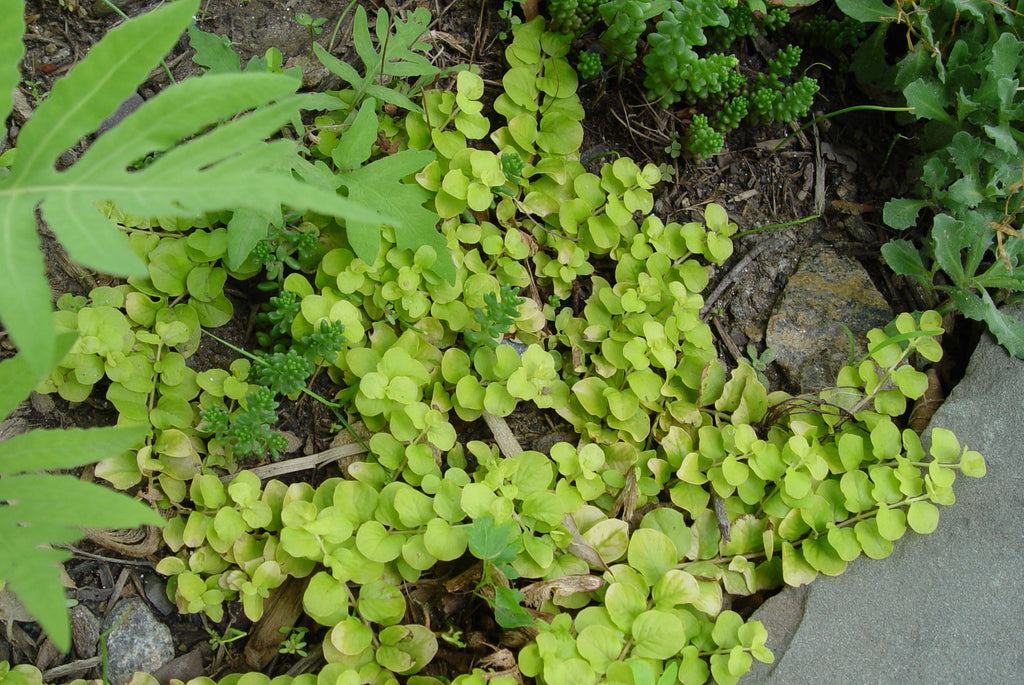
{"x": 229, "y": 167}
{"x": 379, "y": 184}
{"x": 38, "y": 510}
{"x": 12, "y": 26}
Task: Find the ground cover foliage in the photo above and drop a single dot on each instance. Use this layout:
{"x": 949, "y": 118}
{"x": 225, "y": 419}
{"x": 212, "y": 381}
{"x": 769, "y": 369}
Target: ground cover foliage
{"x": 613, "y": 556}
{"x": 961, "y": 74}
{"x": 684, "y": 53}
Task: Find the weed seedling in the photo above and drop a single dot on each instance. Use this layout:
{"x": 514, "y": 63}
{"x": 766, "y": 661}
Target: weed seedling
{"x": 294, "y": 642}
{"x": 315, "y": 26}
{"x": 761, "y": 361}
{"x": 218, "y": 641}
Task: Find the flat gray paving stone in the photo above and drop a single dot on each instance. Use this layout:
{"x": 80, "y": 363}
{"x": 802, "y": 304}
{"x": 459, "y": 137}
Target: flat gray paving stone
{"x": 943, "y": 608}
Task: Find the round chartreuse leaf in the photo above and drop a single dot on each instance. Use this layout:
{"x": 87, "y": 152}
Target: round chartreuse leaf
{"x": 892, "y": 523}
{"x": 693, "y": 670}
{"x": 923, "y": 517}
{"x": 972, "y": 464}
{"x": 871, "y": 541}
{"x": 350, "y": 637}
{"x": 658, "y": 634}
{"x": 795, "y": 569}
{"x": 726, "y": 630}
{"x": 325, "y": 599}
{"x": 675, "y": 588}
{"x": 624, "y": 603}
{"x": 610, "y": 537}
{"x": 376, "y": 543}
{"x": 652, "y": 553}
{"x": 405, "y": 649}
{"x": 380, "y": 602}
{"x": 600, "y": 646}
{"x": 444, "y": 541}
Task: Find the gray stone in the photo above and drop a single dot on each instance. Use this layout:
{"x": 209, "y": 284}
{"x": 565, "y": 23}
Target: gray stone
{"x": 138, "y": 642}
{"x": 806, "y": 331}
{"x": 943, "y": 608}
{"x": 20, "y": 107}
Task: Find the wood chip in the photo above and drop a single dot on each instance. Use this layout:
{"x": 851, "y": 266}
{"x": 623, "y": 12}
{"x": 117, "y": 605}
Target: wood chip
{"x": 137, "y": 543}
{"x": 282, "y": 609}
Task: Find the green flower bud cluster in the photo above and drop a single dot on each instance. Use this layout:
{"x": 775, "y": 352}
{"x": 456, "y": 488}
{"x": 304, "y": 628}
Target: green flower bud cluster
{"x": 678, "y": 67}
{"x": 283, "y": 373}
{"x": 672, "y": 43}
{"x": 731, "y": 114}
{"x": 705, "y": 76}
{"x": 247, "y": 431}
{"x": 589, "y": 65}
{"x": 495, "y": 318}
{"x": 294, "y": 247}
{"x": 771, "y": 104}
{"x": 701, "y": 139}
{"x": 776, "y": 18}
{"x": 279, "y": 312}
{"x": 512, "y": 165}
{"x": 743, "y": 22}
{"x": 324, "y": 343}
{"x": 570, "y": 16}
{"x": 831, "y": 34}
{"x": 781, "y": 65}
{"x": 768, "y": 98}
{"x": 626, "y": 21}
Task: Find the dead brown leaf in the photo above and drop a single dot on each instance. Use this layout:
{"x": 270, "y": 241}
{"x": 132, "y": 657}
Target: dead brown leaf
{"x": 540, "y": 592}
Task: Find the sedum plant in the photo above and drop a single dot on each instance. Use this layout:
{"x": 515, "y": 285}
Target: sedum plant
{"x": 685, "y": 46}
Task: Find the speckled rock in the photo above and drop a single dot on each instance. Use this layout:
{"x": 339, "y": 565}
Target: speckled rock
{"x": 826, "y": 292}
{"x": 138, "y": 643}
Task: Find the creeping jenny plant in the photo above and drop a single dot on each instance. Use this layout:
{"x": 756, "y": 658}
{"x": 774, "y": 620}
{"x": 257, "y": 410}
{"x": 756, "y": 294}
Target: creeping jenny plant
{"x": 612, "y": 553}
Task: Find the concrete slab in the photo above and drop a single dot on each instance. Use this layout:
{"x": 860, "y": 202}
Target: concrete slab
{"x": 943, "y": 608}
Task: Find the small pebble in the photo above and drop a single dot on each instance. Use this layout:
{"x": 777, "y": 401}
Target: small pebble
{"x": 41, "y": 403}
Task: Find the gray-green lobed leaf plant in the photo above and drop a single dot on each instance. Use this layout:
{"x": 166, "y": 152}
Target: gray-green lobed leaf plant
{"x": 961, "y": 76}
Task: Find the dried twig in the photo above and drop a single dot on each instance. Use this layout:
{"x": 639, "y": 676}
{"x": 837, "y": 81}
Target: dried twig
{"x": 312, "y": 461}
{"x": 506, "y": 441}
